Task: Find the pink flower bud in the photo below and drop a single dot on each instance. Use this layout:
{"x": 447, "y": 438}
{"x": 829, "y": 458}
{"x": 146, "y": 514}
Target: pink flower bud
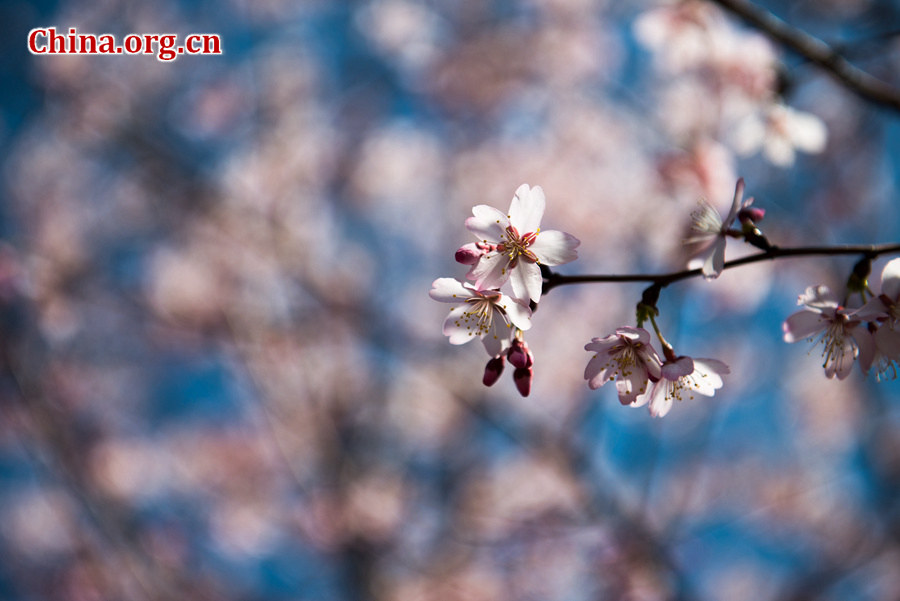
{"x": 751, "y": 215}
{"x": 522, "y": 377}
{"x": 492, "y": 371}
{"x": 468, "y": 254}
{"x": 519, "y": 355}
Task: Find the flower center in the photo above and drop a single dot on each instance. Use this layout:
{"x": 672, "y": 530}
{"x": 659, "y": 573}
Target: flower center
{"x": 515, "y": 245}
{"x": 834, "y": 340}
{"x": 706, "y": 220}
{"x": 675, "y": 388}
{"x": 480, "y": 313}
{"x": 624, "y": 357}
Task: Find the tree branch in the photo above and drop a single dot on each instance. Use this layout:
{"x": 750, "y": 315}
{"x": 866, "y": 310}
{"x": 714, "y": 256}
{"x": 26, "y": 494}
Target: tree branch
{"x": 815, "y": 50}
{"x": 552, "y": 280}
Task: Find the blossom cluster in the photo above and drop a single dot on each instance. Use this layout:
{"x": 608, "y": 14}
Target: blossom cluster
{"x": 507, "y": 281}
{"x": 641, "y": 377}
{"x": 869, "y": 334}
{"x": 508, "y": 254}
{"x": 705, "y": 56}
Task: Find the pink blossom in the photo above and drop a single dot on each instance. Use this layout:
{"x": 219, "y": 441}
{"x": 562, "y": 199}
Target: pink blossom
{"x": 680, "y": 377}
{"x": 486, "y": 314}
{"x": 515, "y": 246}
{"x": 708, "y": 229}
{"x": 883, "y": 311}
{"x": 625, "y": 356}
{"x": 840, "y": 331}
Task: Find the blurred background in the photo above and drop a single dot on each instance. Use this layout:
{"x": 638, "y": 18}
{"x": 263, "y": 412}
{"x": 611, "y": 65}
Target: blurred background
{"x": 222, "y": 375}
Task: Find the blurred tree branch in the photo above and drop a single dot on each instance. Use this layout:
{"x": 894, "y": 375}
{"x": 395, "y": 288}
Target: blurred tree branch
{"x": 130, "y": 569}
{"x": 863, "y": 84}
{"x": 630, "y": 527}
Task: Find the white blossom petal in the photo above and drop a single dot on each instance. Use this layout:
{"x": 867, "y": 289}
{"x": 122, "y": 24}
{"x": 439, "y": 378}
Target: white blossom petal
{"x": 527, "y": 209}
{"x": 631, "y": 384}
{"x": 526, "y": 281}
{"x": 803, "y": 324}
{"x": 599, "y": 370}
{"x": 662, "y": 398}
{"x": 735, "y": 203}
{"x": 890, "y": 279}
{"x": 715, "y": 259}
{"x": 707, "y": 376}
{"x": 491, "y": 271}
{"x": 634, "y": 334}
{"x": 456, "y": 327}
{"x": 874, "y": 309}
{"x": 553, "y": 247}
{"x": 449, "y": 290}
{"x": 818, "y": 297}
{"x": 487, "y": 224}
{"x": 602, "y": 345}
{"x": 651, "y": 361}
{"x": 642, "y": 399}
{"x": 497, "y": 338}
{"x": 865, "y": 346}
{"x": 518, "y": 314}
{"x": 839, "y": 360}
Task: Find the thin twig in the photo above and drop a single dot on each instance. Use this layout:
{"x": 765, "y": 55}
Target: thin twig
{"x": 775, "y": 252}
{"x": 815, "y": 50}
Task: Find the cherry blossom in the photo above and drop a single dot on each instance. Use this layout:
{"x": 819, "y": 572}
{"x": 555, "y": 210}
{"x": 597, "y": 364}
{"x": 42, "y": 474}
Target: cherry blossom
{"x": 883, "y": 311}
{"x": 842, "y": 333}
{"x": 779, "y": 131}
{"x": 486, "y": 314}
{"x": 708, "y": 229}
{"x": 514, "y": 246}
{"x": 682, "y": 377}
{"x": 625, "y": 356}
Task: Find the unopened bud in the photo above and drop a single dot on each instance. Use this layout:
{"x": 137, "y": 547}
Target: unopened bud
{"x": 492, "y": 371}
{"x": 751, "y": 215}
{"x": 519, "y": 355}
{"x": 468, "y": 254}
{"x": 522, "y": 377}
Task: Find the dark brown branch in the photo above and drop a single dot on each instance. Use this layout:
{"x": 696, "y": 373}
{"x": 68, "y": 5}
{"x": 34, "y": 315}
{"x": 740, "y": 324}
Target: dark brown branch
{"x": 815, "y": 50}
{"x": 664, "y": 279}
